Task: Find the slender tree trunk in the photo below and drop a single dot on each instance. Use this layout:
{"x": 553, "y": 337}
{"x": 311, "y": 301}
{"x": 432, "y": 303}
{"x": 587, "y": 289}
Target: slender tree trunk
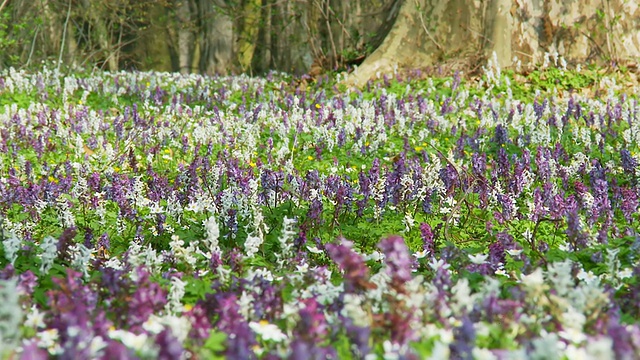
{"x": 267, "y": 34}
{"x": 71, "y": 46}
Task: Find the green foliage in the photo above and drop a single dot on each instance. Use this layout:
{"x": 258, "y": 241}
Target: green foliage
{"x": 214, "y": 346}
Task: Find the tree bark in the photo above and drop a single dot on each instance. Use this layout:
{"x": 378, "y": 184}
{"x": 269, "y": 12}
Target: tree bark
{"x": 186, "y": 37}
{"x": 464, "y": 33}
{"x": 216, "y": 37}
{"x": 248, "y": 36}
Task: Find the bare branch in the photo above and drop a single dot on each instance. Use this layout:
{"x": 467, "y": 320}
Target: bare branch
{"x": 64, "y": 36}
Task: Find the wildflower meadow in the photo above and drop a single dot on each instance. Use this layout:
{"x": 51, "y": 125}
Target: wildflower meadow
{"x": 167, "y": 216}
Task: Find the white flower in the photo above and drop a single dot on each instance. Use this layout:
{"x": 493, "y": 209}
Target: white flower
{"x": 246, "y": 304}
{"x": 483, "y": 354}
{"x": 353, "y": 309}
{"x": 96, "y": 345}
{"x": 327, "y": 293}
{"x": 391, "y": 350}
{"x": 572, "y": 335}
{"x": 588, "y": 277}
{"x": 35, "y": 318}
{"x": 437, "y": 264}
{"x": 80, "y": 257}
{"x": 375, "y": 256}
{"x": 213, "y": 233}
{"x": 578, "y": 353}
{"x": 514, "y": 252}
{"x": 479, "y": 259}
{"x": 49, "y": 248}
{"x": 559, "y": 273}
{"x": 11, "y": 247}
{"x": 155, "y": 208}
{"x": 261, "y": 272}
{"x": 114, "y": 263}
{"x": 267, "y": 331}
{"x": 129, "y": 339}
{"x": 441, "y": 350}
{"x": 626, "y": 273}
{"x": 462, "y": 295}
{"x": 501, "y": 272}
{"x": 49, "y": 339}
{"x": 174, "y": 305}
{"x": 600, "y": 348}
{"x": 314, "y": 249}
{"x": 421, "y": 254}
{"x": 533, "y": 281}
{"x": 179, "y": 325}
{"x": 302, "y": 268}
{"x": 252, "y": 245}
{"x": 153, "y": 325}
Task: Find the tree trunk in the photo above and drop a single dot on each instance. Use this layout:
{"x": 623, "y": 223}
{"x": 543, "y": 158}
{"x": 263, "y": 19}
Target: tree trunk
{"x": 248, "y": 36}
{"x": 464, "y": 33}
{"x": 186, "y": 41}
{"x": 216, "y": 37}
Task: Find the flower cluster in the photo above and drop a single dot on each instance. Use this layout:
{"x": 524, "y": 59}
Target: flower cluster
{"x": 148, "y": 215}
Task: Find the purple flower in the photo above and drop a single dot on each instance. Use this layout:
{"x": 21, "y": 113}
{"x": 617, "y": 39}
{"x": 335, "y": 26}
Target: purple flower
{"x": 359, "y": 336}
{"x": 168, "y": 345}
{"x": 117, "y": 351}
{"x": 75, "y": 314}
{"x": 479, "y": 164}
{"x": 503, "y": 165}
{"x": 629, "y": 164}
{"x": 449, "y": 177}
{"x": 542, "y": 162}
{"x": 65, "y": 241}
{"x": 31, "y": 351}
{"x": 200, "y": 324}
{"x": 397, "y": 259}
{"x": 576, "y": 236}
{"x": 426, "y": 232}
{"x": 464, "y": 340}
{"x": 310, "y": 332}
{"x": 301, "y": 350}
{"x": 496, "y": 254}
{"x": 270, "y": 304}
{"x": 508, "y": 206}
{"x": 602, "y": 204}
{"x": 240, "y": 338}
{"x": 501, "y": 136}
{"x": 626, "y": 341}
{"x": 629, "y": 203}
{"x": 356, "y": 272}
{"x": 28, "y": 282}
{"x": 148, "y": 298}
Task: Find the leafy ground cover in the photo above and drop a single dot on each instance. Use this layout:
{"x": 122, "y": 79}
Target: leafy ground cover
{"x": 159, "y": 216}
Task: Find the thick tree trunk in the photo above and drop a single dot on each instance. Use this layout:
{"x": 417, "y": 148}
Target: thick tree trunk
{"x": 248, "y": 36}
{"x": 216, "y": 37}
{"x": 462, "y": 32}
{"x": 186, "y": 39}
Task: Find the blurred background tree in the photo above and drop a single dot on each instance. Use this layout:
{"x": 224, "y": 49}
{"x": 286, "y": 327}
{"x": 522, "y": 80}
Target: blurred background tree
{"x": 313, "y": 36}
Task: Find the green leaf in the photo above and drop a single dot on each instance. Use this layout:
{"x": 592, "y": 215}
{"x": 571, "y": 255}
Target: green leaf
{"x": 216, "y": 341}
